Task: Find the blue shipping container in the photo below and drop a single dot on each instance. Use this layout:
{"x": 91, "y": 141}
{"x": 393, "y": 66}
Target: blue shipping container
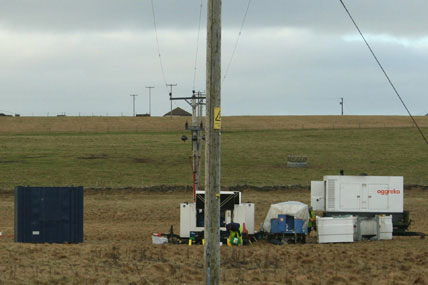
{"x": 49, "y": 214}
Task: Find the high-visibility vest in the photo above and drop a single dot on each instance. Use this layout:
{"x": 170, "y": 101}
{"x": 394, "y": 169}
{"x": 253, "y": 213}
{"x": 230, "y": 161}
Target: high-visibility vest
{"x": 311, "y": 217}
{"x": 235, "y": 234}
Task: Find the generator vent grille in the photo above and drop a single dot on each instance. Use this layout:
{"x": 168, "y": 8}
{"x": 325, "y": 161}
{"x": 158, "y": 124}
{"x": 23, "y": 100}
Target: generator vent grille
{"x": 331, "y": 197}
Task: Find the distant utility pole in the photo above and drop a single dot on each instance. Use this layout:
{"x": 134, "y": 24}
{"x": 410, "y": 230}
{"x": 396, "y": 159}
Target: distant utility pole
{"x": 196, "y": 101}
{"x": 133, "y": 105}
{"x": 212, "y": 146}
{"x": 150, "y": 99}
{"x": 341, "y": 104}
{"x": 170, "y": 95}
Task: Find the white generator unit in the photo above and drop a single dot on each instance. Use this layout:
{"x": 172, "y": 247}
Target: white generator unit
{"x": 364, "y": 197}
{"x": 356, "y": 195}
{"x": 232, "y": 209}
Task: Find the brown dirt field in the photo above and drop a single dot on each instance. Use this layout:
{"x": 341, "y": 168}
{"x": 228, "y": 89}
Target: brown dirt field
{"x": 118, "y": 250}
{"x": 13, "y": 125}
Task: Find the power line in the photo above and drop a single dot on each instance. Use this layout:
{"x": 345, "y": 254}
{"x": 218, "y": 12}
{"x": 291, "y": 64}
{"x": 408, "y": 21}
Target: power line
{"x": 237, "y": 40}
{"x": 197, "y": 45}
{"x": 157, "y": 42}
{"x": 384, "y": 72}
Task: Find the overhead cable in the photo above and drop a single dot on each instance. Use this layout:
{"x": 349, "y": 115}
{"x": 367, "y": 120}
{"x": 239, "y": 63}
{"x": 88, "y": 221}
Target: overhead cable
{"x": 237, "y": 40}
{"x": 197, "y": 46}
{"x": 157, "y": 43}
{"x": 384, "y": 72}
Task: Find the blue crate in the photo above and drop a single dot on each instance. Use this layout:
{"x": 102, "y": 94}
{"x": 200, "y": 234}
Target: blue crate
{"x": 286, "y": 224}
{"x": 282, "y": 224}
{"x": 274, "y": 226}
{"x": 289, "y": 226}
{"x": 299, "y": 226}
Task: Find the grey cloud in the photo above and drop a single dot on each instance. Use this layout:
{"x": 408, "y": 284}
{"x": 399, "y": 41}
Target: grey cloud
{"x": 382, "y": 16}
{"x": 88, "y": 56}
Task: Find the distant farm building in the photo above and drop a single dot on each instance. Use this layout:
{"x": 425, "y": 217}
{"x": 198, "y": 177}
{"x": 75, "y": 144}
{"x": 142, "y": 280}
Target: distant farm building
{"x": 178, "y": 112}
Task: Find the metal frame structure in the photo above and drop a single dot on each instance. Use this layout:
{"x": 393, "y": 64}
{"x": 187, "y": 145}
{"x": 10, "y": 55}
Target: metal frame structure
{"x": 196, "y": 101}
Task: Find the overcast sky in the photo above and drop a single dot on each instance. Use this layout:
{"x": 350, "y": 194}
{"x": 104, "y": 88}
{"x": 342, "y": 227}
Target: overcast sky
{"x": 293, "y": 57}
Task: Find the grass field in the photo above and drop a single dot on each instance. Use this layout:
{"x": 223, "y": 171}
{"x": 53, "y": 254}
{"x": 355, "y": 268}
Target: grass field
{"x": 118, "y": 153}
{"x": 118, "y": 250}
{"x": 143, "y": 152}
{"x": 47, "y": 125}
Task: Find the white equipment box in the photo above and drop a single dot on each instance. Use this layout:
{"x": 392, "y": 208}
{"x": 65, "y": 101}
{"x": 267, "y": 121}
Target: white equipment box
{"x": 376, "y": 228}
{"x": 159, "y": 239}
{"x": 358, "y": 194}
{"x": 385, "y": 228}
{"x": 231, "y": 210}
{"x": 349, "y": 228}
{"x": 335, "y": 229}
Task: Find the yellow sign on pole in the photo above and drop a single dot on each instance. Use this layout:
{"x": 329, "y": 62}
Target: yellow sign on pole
{"x": 217, "y": 118}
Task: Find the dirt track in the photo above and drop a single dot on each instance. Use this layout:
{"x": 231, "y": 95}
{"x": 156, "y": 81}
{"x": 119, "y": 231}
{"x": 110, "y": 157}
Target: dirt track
{"x": 118, "y": 249}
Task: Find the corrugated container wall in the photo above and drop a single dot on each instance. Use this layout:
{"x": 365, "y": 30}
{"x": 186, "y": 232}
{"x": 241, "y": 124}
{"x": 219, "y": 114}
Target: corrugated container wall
{"x": 49, "y": 214}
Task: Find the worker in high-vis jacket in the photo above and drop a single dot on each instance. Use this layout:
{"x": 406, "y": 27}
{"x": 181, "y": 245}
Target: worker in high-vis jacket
{"x": 235, "y": 234}
{"x": 312, "y": 220}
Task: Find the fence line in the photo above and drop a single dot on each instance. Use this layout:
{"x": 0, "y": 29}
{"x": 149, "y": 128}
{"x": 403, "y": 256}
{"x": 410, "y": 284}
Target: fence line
{"x": 168, "y": 128}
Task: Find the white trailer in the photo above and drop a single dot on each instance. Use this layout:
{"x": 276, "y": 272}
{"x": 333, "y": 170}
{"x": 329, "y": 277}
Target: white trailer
{"x": 231, "y": 210}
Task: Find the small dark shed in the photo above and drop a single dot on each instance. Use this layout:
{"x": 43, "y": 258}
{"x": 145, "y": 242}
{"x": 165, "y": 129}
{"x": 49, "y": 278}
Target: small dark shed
{"x": 49, "y": 214}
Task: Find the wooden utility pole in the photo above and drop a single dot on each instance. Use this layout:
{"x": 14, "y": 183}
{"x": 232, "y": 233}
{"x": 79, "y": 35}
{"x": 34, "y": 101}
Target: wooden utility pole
{"x": 150, "y": 99}
{"x": 133, "y": 104}
{"x": 195, "y": 146}
{"x": 170, "y": 95}
{"x": 212, "y": 146}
